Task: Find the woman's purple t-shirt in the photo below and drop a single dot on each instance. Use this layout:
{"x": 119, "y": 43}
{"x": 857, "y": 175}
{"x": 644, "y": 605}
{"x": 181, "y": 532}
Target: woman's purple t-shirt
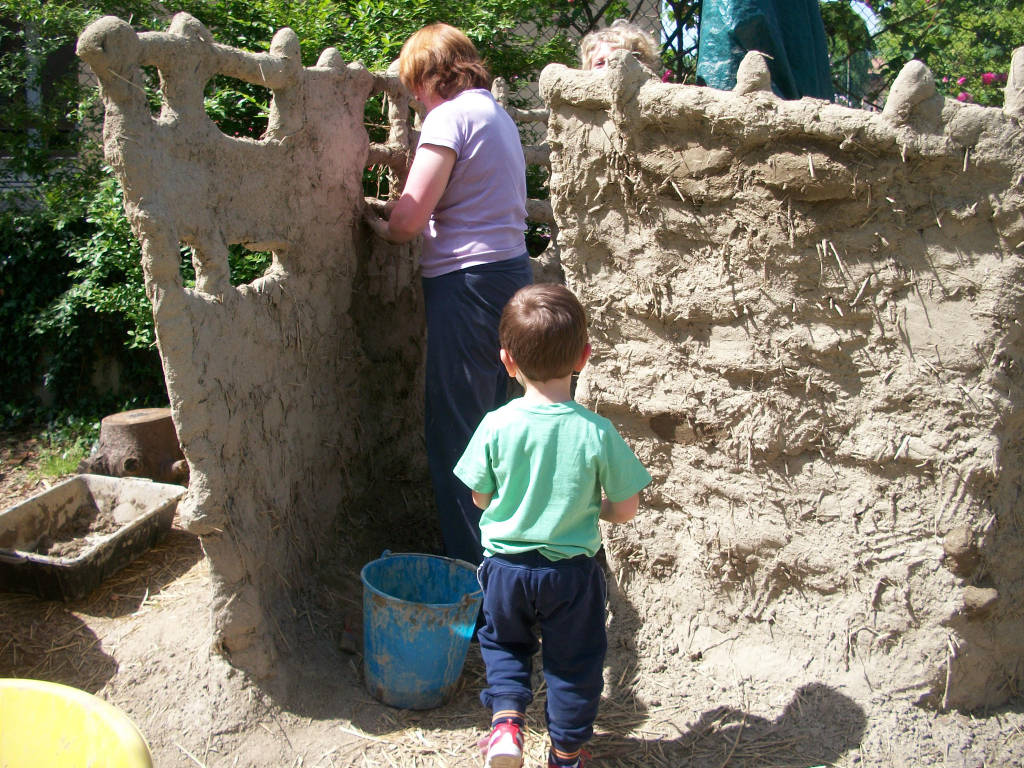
{"x": 481, "y": 216}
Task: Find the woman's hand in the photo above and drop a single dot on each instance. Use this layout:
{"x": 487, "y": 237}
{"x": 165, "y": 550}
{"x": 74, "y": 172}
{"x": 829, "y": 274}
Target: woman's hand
{"x": 428, "y": 178}
{"x": 377, "y": 223}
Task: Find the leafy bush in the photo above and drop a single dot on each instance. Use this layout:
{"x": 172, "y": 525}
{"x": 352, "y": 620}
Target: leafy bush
{"x": 967, "y": 45}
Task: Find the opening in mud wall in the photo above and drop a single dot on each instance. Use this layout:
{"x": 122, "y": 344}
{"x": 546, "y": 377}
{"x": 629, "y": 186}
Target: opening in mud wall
{"x": 238, "y": 108}
{"x": 378, "y": 178}
{"x": 244, "y": 264}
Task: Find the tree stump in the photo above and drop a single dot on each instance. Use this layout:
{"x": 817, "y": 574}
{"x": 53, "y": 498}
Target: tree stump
{"x": 139, "y": 443}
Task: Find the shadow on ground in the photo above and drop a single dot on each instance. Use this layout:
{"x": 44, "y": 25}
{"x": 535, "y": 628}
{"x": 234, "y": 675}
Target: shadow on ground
{"x": 818, "y": 726}
{"x": 46, "y": 640}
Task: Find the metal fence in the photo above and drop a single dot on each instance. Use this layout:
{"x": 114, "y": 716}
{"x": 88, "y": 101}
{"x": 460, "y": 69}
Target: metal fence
{"x": 673, "y": 23}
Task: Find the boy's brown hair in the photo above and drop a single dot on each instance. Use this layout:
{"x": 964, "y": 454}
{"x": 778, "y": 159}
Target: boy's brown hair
{"x": 544, "y": 329}
{"x": 443, "y": 60}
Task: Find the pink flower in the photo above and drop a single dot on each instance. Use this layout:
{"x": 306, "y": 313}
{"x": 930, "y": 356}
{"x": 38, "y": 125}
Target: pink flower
{"x": 961, "y": 80}
{"x": 988, "y": 78}
{"x": 945, "y": 79}
{"x": 667, "y": 77}
{"x": 964, "y": 96}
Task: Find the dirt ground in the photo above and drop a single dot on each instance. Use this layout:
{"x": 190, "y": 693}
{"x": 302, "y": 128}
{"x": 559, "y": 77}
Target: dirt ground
{"x": 141, "y": 641}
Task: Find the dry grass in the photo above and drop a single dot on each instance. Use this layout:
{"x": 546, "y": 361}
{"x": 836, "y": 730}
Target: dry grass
{"x": 52, "y": 640}
{"x": 20, "y": 475}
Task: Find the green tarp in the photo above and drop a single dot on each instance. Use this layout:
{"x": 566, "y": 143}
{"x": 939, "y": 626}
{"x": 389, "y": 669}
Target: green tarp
{"x": 789, "y": 31}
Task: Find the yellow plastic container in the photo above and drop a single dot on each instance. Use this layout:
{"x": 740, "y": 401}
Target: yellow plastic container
{"x": 47, "y": 725}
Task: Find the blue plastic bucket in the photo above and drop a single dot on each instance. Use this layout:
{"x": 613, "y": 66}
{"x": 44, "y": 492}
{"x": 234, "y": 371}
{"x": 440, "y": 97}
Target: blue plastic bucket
{"x": 419, "y": 613}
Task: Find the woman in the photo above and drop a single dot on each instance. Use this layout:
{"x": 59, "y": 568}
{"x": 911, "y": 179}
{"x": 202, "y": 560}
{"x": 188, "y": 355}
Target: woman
{"x": 466, "y": 194}
{"x": 620, "y": 35}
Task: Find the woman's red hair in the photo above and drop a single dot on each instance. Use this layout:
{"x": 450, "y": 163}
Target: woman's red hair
{"x": 441, "y": 59}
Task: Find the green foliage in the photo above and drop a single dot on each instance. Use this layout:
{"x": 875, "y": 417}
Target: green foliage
{"x": 959, "y": 41}
{"x": 850, "y": 45}
{"x": 967, "y": 45}
{"x": 373, "y": 31}
{"x": 108, "y": 278}
{"x": 56, "y": 462}
{"x": 32, "y": 275}
{"x": 66, "y": 440}
{"x": 35, "y": 125}
{"x": 49, "y": 354}
{"x": 73, "y": 297}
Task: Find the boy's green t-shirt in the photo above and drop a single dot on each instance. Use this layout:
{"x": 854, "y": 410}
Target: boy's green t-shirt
{"x": 546, "y": 465}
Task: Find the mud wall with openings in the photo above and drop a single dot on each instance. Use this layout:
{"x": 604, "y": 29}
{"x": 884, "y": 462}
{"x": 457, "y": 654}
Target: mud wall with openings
{"x": 296, "y": 396}
{"x": 805, "y": 319}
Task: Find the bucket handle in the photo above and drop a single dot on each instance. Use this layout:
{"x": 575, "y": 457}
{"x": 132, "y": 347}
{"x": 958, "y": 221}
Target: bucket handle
{"x": 467, "y": 599}
{"x": 388, "y": 553}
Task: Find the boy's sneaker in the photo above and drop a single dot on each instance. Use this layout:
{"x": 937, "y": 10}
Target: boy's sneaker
{"x": 581, "y": 762}
{"x": 505, "y": 747}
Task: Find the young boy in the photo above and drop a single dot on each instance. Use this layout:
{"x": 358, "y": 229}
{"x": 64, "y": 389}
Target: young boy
{"x": 537, "y": 467}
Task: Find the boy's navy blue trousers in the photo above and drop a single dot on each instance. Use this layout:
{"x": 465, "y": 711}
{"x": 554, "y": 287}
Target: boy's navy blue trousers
{"x": 464, "y": 380}
{"x": 566, "y": 601}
